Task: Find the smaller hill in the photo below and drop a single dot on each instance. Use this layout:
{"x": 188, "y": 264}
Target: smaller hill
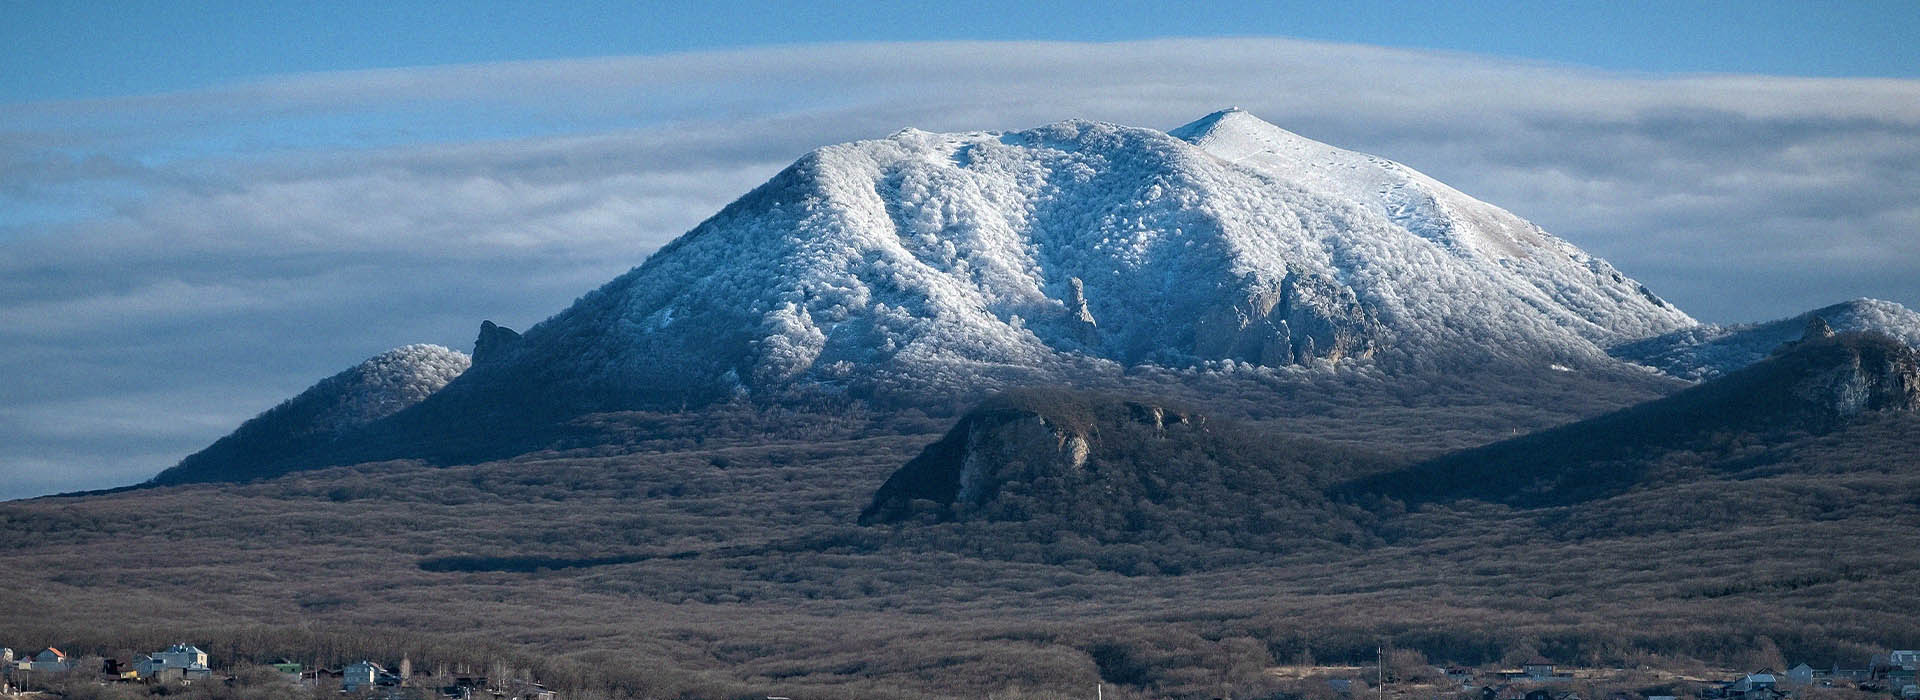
{"x": 1708, "y": 351}
{"x": 1814, "y": 386}
{"x": 337, "y": 405}
{"x": 1121, "y": 470}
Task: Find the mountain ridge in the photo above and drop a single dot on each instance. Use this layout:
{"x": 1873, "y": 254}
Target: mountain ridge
{"x": 1807, "y": 387}
{"x": 1707, "y": 350}
{"x": 379, "y": 387}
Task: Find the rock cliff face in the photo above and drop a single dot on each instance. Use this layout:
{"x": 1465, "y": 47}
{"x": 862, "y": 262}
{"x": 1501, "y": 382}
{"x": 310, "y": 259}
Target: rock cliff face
{"x": 493, "y": 342}
{"x": 1301, "y": 319}
{"x": 1111, "y": 469}
{"x": 1856, "y": 374}
{"x": 1010, "y": 439}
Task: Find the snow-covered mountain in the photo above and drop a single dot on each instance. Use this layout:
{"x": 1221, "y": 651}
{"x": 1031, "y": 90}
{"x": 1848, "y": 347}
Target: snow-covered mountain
{"x": 925, "y": 262}
{"x": 379, "y": 387}
{"x": 1708, "y": 351}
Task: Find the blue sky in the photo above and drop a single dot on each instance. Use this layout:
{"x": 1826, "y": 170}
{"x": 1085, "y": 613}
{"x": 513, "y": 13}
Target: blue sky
{"x": 79, "y": 49}
{"x": 205, "y": 207}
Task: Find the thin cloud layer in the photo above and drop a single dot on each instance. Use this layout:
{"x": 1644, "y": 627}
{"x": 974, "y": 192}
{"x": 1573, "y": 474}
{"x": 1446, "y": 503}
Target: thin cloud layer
{"x": 171, "y": 265}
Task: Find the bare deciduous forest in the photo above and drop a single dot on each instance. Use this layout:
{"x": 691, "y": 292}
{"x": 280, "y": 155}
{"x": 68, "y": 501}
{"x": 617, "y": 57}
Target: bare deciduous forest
{"x": 669, "y": 564}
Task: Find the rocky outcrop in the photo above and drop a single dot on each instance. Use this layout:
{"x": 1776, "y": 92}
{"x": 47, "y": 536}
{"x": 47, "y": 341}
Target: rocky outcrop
{"x": 1013, "y": 438}
{"x": 1858, "y": 373}
{"x": 494, "y": 341}
{"x": 1301, "y": 319}
{"x": 1079, "y": 317}
{"x": 1817, "y": 328}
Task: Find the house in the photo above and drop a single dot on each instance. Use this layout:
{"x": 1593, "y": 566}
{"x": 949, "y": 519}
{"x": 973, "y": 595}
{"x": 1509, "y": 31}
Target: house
{"x": 1537, "y": 669}
{"x": 365, "y": 675}
{"x": 1802, "y": 675}
{"x": 1908, "y": 659}
{"x": 1762, "y": 685}
{"x": 180, "y": 662}
{"x": 50, "y": 661}
{"x": 182, "y": 655}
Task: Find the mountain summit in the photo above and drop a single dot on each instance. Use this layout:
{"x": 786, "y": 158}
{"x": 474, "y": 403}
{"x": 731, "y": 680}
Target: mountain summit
{"x": 926, "y": 263}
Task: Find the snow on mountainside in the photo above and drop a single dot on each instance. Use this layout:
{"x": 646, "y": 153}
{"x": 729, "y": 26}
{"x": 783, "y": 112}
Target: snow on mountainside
{"x": 1708, "y": 351}
{"x": 379, "y": 387}
{"x": 928, "y": 262}
{"x": 384, "y": 384}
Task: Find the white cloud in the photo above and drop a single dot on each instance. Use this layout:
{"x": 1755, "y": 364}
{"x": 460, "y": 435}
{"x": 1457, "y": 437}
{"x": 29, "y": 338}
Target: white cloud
{"x": 271, "y": 233}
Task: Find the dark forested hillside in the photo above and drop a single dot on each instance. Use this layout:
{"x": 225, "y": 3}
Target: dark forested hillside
{"x": 1808, "y": 388}
{"x": 1125, "y": 471}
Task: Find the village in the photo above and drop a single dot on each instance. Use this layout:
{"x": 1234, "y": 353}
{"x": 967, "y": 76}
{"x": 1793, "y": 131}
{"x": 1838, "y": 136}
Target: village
{"x": 52, "y": 673}
{"x": 1890, "y": 674}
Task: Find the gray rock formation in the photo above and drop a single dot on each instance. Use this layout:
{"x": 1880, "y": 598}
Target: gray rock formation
{"x": 1085, "y": 328}
{"x": 494, "y": 341}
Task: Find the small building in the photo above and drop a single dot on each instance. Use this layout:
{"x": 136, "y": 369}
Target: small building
{"x": 180, "y": 662}
{"x": 1537, "y": 669}
{"x": 1802, "y": 675}
{"x": 1908, "y": 659}
{"x": 1753, "y": 686}
{"x": 366, "y": 675}
{"x": 50, "y": 661}
{"x": 182, "y": 655}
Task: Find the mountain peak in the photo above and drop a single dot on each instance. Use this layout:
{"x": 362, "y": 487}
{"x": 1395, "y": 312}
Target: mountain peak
{"x": 1227, "y": 125}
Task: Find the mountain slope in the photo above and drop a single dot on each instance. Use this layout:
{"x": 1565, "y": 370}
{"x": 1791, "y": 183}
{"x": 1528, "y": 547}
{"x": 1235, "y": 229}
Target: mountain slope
{"x": 379, "y": 387}
{"x": 1707, "y": 351}
{"x": 924, "y": 264}
{"x": 1810, "y": 387}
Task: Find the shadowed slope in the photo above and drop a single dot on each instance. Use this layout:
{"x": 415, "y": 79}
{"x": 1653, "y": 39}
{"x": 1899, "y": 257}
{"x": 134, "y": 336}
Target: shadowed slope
{"x": 1808, "y": 387}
